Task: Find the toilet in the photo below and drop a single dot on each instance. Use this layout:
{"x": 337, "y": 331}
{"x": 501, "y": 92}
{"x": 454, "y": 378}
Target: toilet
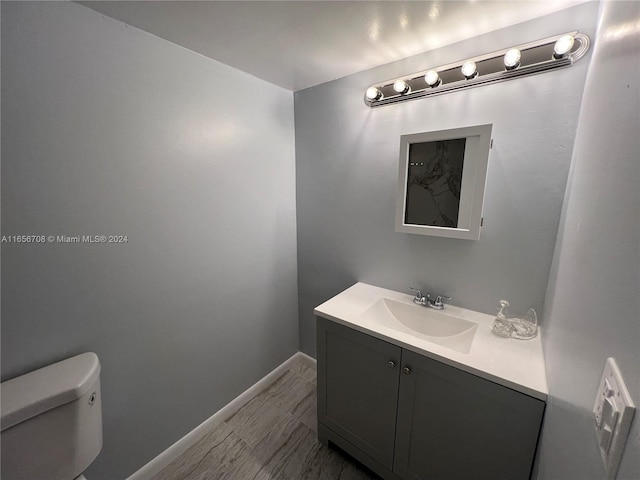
{"x": 52, "y": 421}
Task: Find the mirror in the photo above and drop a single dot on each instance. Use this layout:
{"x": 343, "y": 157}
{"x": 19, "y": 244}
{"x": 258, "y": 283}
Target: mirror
{"x": 441, "y": 182}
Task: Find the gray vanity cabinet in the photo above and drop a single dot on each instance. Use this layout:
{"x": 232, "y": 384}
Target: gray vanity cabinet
{"x": 454, "y": 425}
{"x": 407, "y": 416}
{"x": 358, "y": 389}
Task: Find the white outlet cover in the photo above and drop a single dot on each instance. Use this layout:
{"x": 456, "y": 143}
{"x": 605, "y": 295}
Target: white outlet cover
{"x": 613, "y": 413}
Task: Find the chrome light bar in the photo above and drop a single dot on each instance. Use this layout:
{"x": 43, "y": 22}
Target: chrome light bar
{"x": 527, "y": 59}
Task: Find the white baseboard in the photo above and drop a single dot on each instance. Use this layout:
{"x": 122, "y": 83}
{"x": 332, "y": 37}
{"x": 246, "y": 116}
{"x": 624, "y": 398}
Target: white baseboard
{"x": 178, "y": 448}
{"x": 306, "y": 359}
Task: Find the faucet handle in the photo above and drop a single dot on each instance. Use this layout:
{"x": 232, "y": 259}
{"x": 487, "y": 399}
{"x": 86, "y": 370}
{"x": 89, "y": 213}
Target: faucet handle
{"x": 419, "y": 299}
{"x": 418, "y": 292}
{"x": 438, "y": 300}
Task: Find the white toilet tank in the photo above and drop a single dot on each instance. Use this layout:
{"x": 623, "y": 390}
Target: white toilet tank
{"x": 52, "y": 420}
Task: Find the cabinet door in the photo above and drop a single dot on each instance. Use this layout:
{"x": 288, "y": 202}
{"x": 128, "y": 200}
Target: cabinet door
{"x": 358, "y": 388}
{"x": 454, "y": 425}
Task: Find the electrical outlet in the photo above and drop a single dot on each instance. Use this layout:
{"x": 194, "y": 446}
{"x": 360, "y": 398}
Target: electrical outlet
{"x": 613, "y": 413}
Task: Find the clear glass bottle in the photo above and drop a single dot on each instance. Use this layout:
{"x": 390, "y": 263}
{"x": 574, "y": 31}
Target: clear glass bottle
{"x": 501, "y": 325}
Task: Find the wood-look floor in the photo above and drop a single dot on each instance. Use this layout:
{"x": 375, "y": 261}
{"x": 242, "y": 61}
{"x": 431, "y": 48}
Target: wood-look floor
{"x": 273, "y": 436}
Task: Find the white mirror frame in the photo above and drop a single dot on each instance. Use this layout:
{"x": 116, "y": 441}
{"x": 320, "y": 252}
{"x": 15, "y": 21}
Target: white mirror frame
{"x": 474, "y": 174}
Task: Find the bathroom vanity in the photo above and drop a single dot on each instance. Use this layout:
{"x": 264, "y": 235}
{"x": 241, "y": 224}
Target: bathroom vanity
{"x": 439, "y": 398}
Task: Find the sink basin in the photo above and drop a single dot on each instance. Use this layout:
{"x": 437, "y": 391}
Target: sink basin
{"x": 435, "y": 326}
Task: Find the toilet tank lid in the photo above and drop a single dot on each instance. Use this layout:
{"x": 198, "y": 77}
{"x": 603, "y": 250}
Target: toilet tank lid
{"x": 36, "y": 392}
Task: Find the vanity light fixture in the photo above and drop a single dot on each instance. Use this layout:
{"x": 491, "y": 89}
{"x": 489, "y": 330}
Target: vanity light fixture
{"x": 401, "y": 87}
{"x": 512, "y": 59}
{"x": 469, "y": 69}
{"x": 531, "y": 58}
{"x": 373, "y": 94}
{"x": 563, "y": 46}
{"x": 432, "y": 78}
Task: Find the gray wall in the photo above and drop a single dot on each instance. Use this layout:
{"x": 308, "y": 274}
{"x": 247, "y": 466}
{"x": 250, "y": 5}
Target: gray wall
{"x": 592, "y": 309}
{"x": 109, "y": 130}
{"x": 346, "y": 172}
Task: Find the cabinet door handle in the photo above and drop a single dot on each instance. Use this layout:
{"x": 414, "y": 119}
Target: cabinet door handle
{"x": 391, "y": 364}
{"x": 406, "y": 371}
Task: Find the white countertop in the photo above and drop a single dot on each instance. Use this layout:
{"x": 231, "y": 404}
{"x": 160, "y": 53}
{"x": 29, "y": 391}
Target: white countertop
{"x": 517, "y": 364}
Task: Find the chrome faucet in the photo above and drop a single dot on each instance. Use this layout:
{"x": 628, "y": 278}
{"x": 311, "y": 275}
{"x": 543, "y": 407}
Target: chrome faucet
{"x": 426, "y": 301}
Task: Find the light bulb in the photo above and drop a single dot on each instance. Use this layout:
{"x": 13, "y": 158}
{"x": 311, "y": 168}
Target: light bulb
{"x": 469, "y": 70}
{"x": 563, "y": 46}
{"x": 401, "y": 86}
{"x": 373, "y": 94}
{"x": 432, "y": 78}
{"x": 512, "y": 59}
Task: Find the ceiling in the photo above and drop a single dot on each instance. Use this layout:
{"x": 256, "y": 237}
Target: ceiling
{"x": 298, "y": 44}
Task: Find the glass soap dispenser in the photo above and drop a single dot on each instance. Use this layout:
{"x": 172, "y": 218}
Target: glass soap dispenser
{"x": 501, "y": 325}
{"x": 523, "y": 328}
